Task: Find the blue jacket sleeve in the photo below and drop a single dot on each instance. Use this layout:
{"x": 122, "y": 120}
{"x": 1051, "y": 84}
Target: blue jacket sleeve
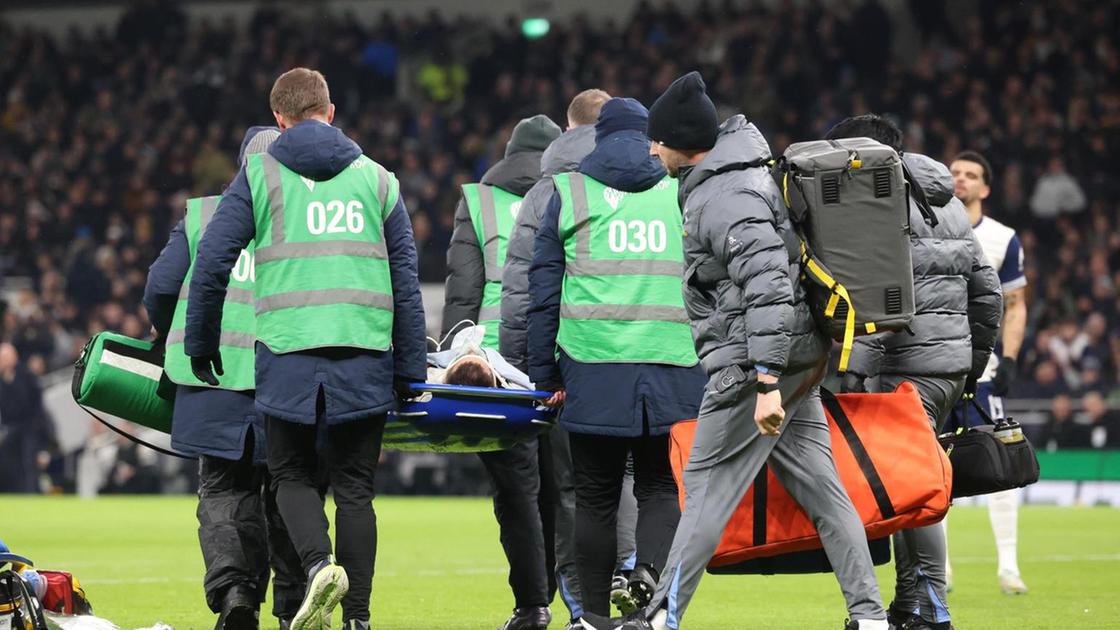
{"x": 165, "y": 280}
{"x": 228, "y": 233}
{"x": 410, "y": 339}
{"x": 546, "y": 277}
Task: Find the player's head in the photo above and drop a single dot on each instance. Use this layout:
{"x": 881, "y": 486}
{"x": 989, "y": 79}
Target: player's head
{"x": 872, "y": 126}
{"x": 585, "y": 107}
{"x": 300, "y": 94}
{"x": 972, "y": 177}
{"x": 471, "y": 369}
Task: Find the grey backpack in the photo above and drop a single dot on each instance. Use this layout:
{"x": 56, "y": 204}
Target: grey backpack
{"x": 849, "y": 200}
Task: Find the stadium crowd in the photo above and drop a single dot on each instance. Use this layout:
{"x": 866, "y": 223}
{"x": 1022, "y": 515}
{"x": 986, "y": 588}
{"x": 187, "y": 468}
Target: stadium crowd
{"x": 104, "y": 134}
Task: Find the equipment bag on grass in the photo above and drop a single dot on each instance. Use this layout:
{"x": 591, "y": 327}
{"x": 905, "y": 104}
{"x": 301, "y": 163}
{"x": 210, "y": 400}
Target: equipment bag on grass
{"x": 124, "y": 377}
{"x": 990, "y": 457}
{"x": 850, "y": 201}
{"x": 889, "y": 461}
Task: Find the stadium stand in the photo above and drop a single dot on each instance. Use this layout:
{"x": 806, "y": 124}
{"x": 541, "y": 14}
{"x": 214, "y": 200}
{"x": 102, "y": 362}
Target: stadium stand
{"x": 104, "y": 134}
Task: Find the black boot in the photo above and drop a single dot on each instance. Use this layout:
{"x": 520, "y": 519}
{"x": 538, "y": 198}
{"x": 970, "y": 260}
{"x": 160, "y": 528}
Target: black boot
{"x": 532, "y": 618}
{"x": 239, "y": 610}
{"x": 643, "y": 582}
{"x": 899, "y": 619}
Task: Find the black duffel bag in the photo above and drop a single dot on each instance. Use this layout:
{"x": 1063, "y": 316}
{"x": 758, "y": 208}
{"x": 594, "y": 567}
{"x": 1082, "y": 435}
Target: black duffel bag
{"x": 990, "y": 457}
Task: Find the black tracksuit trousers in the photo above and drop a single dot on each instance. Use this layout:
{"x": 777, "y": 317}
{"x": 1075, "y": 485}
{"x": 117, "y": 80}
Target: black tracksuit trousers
{"x": 599, "y": 463}
{"x": 349, "y": 460}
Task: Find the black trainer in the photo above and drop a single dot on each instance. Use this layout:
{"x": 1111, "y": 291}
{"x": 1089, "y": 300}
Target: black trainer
{"x": 899, "y": 619}
{"x": 532, "y": 618}
{"x": 642, "y": 584}
{"x": 354, "y": 624}
{"x": 239, "y": 610}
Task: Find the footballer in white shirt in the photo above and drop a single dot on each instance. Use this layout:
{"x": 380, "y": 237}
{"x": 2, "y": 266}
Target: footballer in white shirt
{"x": 972, "y": 180}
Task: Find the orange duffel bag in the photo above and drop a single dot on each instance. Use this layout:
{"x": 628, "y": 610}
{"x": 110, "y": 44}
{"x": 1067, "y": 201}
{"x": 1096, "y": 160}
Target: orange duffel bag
{"x": 888, "y": 458}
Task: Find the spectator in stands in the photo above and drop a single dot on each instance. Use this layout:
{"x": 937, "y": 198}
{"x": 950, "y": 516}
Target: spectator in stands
{"x": 1056, "y": 192}
{"x": 1062, "y": 430}
{"x": 25, "y": 429}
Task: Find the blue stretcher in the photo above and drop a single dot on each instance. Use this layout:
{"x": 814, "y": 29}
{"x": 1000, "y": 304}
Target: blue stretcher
{"x": 463, "y": 419}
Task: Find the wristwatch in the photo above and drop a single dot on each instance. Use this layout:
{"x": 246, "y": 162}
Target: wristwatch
{"x": 765, "y": 388}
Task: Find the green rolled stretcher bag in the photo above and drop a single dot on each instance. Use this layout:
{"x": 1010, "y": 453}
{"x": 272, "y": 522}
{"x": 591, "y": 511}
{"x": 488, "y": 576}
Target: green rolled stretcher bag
{"x": 123, "y": 377}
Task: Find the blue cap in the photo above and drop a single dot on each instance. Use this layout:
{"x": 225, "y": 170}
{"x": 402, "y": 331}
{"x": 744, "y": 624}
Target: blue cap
{"x": 7, "y": 556}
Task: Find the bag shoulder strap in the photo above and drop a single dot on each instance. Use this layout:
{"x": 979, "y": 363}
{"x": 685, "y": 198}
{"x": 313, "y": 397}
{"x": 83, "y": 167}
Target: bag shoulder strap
{"x": 919, "y": 196}
{"x": 863, "y": 458}
{"x": 133, "y": 438}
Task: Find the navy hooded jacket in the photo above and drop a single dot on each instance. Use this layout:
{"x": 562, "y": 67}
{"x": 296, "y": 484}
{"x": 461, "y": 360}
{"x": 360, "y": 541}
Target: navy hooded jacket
{"x": 615, "y": 399}
{"x": 355, "y": 383}
{"x": 213, "y": 422}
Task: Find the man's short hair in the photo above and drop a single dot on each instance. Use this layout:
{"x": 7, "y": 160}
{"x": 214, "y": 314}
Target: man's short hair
{"x": 985, "y": 165}
{"x": 584, "y": 108}
{"x": 475, "y": 373}
{"x": 872, "y": 126}
{"x": 300, "y": 93}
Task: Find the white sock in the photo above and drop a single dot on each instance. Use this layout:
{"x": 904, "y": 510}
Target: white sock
{"x": 660, "y": 620}
{"x": 873, "y": 624}
{"x": 1003, "y": 510}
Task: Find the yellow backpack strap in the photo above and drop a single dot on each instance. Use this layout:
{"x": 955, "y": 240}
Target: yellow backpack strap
{"x": 785, "y": 196}
{"x": 839, "y": 292}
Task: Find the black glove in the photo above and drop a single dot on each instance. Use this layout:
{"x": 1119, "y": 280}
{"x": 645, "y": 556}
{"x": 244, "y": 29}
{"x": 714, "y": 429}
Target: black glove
{"x": 403, "y": 388}
{"x": 969, "y": 388}
{"x": 1005, "y": 376}
{"x": 853, "y": 383}
{"x": 206, "y": 366}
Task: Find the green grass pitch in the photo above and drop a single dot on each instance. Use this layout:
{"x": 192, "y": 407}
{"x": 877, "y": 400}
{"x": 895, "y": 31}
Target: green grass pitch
{"x": 440, "y": 567}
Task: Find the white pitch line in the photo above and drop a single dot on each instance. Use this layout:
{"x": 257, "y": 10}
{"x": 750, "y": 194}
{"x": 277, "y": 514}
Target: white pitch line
{"x": 1093, "y": 557}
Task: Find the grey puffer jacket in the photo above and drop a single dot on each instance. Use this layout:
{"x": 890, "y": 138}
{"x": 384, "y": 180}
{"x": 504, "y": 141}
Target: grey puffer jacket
{"x": 957, "y": 299}
{"x": 741, "y": 284}
{"x": 562, "y": 156}
{"x": 466, "y": 270}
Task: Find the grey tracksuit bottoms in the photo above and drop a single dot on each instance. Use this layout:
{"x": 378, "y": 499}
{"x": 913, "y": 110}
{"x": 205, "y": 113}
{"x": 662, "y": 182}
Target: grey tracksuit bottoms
{"x": 727, "y": 453}
{"x": 920, "y": 553}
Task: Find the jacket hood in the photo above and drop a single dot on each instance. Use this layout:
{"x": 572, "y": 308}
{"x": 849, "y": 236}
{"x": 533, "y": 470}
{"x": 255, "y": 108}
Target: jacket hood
{"x": 933, "y": 177}
{"x": 315, "y": 150}
{"x": 566, "y": 152}
{"x": 516, "y": 173}
{"x": 622, "y": 161}
{"x": 739, "y": 145}
{"x": 532, "y": 135}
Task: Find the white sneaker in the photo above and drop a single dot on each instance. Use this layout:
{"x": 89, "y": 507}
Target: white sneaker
{"x": 1012, "y": 584}
{"x": 325, "y": 591}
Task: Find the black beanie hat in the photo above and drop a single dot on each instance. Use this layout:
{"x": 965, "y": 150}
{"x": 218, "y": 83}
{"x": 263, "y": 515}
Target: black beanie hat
{"x": 684, "y": 117}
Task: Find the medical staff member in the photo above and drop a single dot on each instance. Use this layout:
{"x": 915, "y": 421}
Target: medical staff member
{"x": 340, "y": 326}
{"x": 608, "y": 332}
{"x": 239, "y": 526}
{"x": 483, "y": 220}
{"x": 764, "y": 355}
{"x": 957, "y": 307}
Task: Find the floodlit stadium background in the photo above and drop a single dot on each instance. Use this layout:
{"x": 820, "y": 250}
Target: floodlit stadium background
{"x": 112, "y": 113}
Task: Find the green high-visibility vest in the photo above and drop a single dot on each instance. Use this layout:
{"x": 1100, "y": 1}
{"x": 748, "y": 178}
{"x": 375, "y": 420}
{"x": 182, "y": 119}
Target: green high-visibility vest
{"x": 621, "y": 299}
{"x": 493, "y": 213}
{"x": 322, "y": 263}
{"x": 239, "y": 323}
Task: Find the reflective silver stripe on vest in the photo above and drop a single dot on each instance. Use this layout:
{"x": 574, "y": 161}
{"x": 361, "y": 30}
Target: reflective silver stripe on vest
{"x": 489, "y": 313}
{"x": 382, "y": 190}
{"x": 275, "y": 196}
{"x": 233, "y": 294}
{"x": 282, "y": 251}
{"x": 625, "y": 312}
{"x": 324, "y": 297}
{"x": 229, "y": 339}
{"x": 624, "y": 268}
{"x": 208, "y": 206}
{"x": 489, "y": 233}
{"x": 583, "y": 265}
